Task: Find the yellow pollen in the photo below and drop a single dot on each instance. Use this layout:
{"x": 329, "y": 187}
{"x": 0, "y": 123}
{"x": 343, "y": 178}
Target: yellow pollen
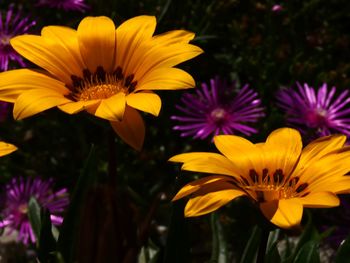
{"x": 23, "y": 208}
{"x": 101, "y": 85}
{"x": 272, "y": 192}
{"x": 5, "y": 40}
{"x": 218, "y": 114}
{"x": 102, "y": 91}
{"x": 271, "y": 186}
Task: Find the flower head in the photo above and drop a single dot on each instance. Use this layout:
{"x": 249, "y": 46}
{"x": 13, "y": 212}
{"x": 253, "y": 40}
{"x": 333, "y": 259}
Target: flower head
{"x": 316, "y": 111}
{"x": 278, "y": 175}
{"x": 12, "y": 24}
{"x": 66, "y": 5}
{"x": 211, "y": 111}
{"x": 18, "y": 193}
{"x": 277, "y": 8}
{"x": 108, "y": 72}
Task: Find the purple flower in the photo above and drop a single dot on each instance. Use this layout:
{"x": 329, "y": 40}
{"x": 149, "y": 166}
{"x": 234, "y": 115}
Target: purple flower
{"x": 318, "y": 112}
{"x": 78, "y": 5}
{"x": 277, "y": 8}
{"x": 18, "y": 193}
{"x": 12, "y": 24}
{"x": 212, "y": 111}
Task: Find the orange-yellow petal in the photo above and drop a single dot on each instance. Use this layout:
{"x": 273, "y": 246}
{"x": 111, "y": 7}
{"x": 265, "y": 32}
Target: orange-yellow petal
{"x": 194, "y": 156}
{"x": 130, "y": 35}
{"x": 131, "y": 129}
{"x": 15, "y": 82}
{"x": 282, "y": 149}
{"x": 173, "y": 37}
{"x": 48, "y": 54}
{"x": 113, "y": 108}
{"x": 165, "y": 79}
{"x": 319, "y": 148}
{"x": 6, "y": 148}
{"x": 320, "y": 200}
{"x": 210, "y": 198}
{"x": 147, "y": 102}
{"x": 338, "y": 185}
{"x": 37, "y": 100}
{"x": 331, "y": 166}
{"x": 149, "y": 57}
{"x": 77, "y": 106}
{"x": 96, "y": 36}
{"x": 284, "y": 213}
{"x": 68, "y": 38}
{"x": 197, "y": 184}
{"x": 206, "y": 163}
{"x": 241, "y": 152}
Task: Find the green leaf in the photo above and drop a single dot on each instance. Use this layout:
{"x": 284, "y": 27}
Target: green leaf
{"x": 309, "y": 253}
{"x": 343, "y": 253}
{"x": 273, "y": 238}
{"x": 309, "y": 233}
{"x": 149, "y": 253}
{"x": 219, "y": 248}
{"x": 58, "y": 258}
{"x": 287, "y": 252}
{"x": 327, "y": 233}
{"x": 47, "y": 242}
{"x": 68, "y": 235}
{"x": 34, "y": 215}
{"x": 164, "y": 10}
{"x": 55, "y": 232}
{"x": 251, "y": 250}
{"x": 272, "y": 255}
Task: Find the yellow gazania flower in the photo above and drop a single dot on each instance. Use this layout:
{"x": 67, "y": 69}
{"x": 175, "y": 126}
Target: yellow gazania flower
{"x": 6, "y": 148}
{"x": 104, "y": 70}
{"x": 278, "y": 175}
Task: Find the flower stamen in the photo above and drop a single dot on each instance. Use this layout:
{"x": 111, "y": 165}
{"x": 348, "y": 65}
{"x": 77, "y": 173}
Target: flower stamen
{"x": 301, "y": 187}
{"x": 101, "y": 85}
{"x": 23, "y": 208}
{"x": 274, "y": 186}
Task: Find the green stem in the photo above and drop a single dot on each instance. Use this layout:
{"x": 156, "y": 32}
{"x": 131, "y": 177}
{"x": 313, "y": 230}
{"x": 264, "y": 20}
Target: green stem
{"x": 263, "y": 244}
{"x": 215, "y": 242}
{"x": 120, "y": 209}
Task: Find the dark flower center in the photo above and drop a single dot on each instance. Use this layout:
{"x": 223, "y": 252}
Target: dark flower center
{"x": 101, "y": 85}
{"x": 218, "y": 115}
{"x": 23, "y": 208}
{"x": 267, "y": 186}
{"x": 5, "y": 40}
{"x": 316, "y": 118}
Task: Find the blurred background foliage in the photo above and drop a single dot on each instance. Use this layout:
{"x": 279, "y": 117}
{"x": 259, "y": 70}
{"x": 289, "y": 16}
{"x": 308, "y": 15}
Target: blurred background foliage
{"x": 305, "y": 41}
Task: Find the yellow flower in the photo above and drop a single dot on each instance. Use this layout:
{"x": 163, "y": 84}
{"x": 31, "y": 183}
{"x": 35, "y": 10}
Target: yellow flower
{"x": 107, "y": 71}
{"x": 6, "y": 148}
{"x": 278, "y": 175}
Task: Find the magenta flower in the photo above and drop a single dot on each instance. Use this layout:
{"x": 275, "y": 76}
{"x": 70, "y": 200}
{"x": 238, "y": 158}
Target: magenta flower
{"x": 215, "y": 110}
{"x": 12, "y": 24}
{"x": 316, "y": 111}
{"x": 77, "y": 5}
{"x": 277, "y": 8}
{"x": 18, "y": 193}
